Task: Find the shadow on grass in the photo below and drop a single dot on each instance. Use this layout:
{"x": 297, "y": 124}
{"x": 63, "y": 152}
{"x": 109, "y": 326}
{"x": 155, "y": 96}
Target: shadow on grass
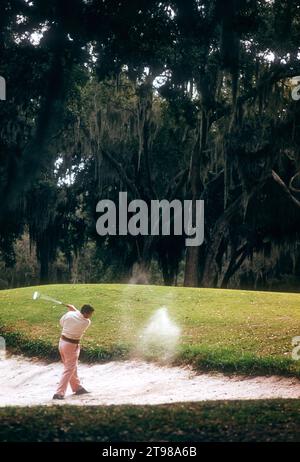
{"x": 263, "y": 420}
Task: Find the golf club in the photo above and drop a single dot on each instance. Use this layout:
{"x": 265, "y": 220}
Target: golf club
{"x": 37, "y": 295}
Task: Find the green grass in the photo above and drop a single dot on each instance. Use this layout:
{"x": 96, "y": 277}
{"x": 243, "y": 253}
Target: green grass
{"x": 228, "y": 330}
{"x": 274, "y": 420}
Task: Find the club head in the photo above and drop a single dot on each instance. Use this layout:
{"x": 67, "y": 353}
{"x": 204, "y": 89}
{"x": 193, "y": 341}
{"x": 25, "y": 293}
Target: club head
{"x": 36, "y": 295}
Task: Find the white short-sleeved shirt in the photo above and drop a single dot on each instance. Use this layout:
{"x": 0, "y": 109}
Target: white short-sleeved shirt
{"x": 74, "y": 325}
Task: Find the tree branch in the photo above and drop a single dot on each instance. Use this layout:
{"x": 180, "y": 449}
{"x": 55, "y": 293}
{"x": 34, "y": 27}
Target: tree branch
{"x": 122, "y": 173}
{"x": 291, "y": 187}
{"x": 285, "y": 189}
{"x": 176, "y": 184}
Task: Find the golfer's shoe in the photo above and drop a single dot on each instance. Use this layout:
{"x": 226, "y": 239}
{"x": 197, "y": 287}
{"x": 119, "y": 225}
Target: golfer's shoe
{"x": 56, "y": 396}
{"x": 81, "y": 391}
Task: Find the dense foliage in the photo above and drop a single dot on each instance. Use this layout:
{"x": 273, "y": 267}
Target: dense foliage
{"x": 162, "y": 99}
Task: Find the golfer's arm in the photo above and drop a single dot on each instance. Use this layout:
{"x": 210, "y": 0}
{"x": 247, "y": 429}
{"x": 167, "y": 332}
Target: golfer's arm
{"x": 71, "y": 308}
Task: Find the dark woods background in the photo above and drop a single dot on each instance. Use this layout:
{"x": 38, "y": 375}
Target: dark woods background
{"x": 163, "y": 99}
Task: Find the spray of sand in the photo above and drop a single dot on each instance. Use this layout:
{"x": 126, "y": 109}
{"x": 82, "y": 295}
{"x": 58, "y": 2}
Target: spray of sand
{"x": 159, "y": 338}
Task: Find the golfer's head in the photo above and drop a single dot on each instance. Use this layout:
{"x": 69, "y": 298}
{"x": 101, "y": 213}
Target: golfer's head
{"x": 87, "y": 311}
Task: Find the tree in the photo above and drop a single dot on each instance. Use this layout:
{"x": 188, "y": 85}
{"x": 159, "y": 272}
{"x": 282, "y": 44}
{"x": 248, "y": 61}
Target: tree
{"x": 166, "y": 99}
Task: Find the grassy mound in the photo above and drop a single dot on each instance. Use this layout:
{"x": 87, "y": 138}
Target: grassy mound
{"x": 228, "y": 330}
{"x": 271, "y": 420}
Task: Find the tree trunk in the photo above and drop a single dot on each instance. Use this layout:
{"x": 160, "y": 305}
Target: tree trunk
{"x": 191, "y": 274}
{"x": 191, "y": 277}
{"x": 141, "y": 268}
{"x": 221, "y": 228}
{"x": 169, "y": 270}
{"x": 44, "y": 269}
{"x": 236, "y": 261}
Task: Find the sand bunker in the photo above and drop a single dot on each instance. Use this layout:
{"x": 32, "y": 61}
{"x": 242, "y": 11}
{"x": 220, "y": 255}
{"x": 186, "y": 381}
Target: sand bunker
{"x": 27, "y": 382}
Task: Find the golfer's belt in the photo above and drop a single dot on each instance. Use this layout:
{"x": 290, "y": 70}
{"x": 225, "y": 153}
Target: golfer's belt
{"x": 71, "y": 340}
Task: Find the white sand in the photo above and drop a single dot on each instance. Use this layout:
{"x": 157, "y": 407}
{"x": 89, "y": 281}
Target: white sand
{"x": 26, "y": 382}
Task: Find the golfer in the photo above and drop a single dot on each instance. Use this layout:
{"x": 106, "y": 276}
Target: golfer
{"x": 74, "y": 324}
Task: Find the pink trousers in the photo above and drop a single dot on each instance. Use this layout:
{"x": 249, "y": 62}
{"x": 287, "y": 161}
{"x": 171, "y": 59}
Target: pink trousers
{"x": 69, "y": 353}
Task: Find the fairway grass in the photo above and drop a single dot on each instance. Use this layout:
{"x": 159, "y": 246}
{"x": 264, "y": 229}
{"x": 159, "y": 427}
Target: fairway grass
{"x": 271, "y": 420}
{"x": 226, "y": 330}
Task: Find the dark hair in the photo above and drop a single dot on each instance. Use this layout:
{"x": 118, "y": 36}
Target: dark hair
{"x": 87, "y": 309}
